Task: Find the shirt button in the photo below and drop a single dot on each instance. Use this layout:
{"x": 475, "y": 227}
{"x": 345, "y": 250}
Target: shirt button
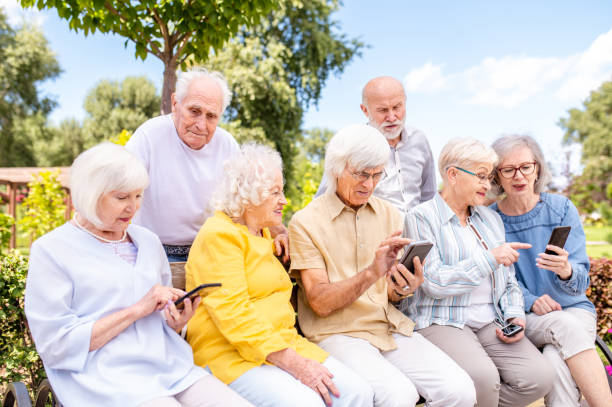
{"x": 357, "y": 217}
{"x": 361, "y": 245}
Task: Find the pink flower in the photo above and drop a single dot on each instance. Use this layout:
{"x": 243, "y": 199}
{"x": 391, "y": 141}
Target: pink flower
{"x": 610, "y": 331}
{"x": 609, "y": 370}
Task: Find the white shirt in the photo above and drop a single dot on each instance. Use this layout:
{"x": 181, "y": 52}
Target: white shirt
{"x": 182, "y": 180}
{"x": 74, "y": 280}
{"x": 410, "y": 177}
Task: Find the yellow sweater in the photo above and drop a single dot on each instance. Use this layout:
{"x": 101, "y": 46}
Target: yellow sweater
{"x": 238, "y": 324}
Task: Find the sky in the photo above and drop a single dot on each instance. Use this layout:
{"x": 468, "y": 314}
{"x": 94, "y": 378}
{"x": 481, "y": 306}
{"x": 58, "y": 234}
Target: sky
{"x": 470, "y": 68}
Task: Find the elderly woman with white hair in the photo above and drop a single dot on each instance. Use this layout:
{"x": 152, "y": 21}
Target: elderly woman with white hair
{"x": 245, "y": 330}
{"x": 470, "y": 291}
{"x": 99, "y": 302}
{"x": 553, "y": 278}
{"x": 344, "y": 246}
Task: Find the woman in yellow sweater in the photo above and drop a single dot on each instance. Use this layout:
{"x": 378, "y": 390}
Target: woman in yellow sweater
{"x": 244, "y": 331}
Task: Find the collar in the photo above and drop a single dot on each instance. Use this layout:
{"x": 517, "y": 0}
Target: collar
{"x": 447, "y": 214}
{"x": 335, "y": 206}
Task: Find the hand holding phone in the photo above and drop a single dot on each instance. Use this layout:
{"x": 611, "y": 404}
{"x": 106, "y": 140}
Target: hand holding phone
{"x": 192, "y": 295}
{"x": 511, "y": 329}
{"x": 419, "y": 249}
{"x": 558, "y": 237}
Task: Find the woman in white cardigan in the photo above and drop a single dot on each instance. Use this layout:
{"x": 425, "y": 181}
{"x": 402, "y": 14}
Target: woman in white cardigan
{"x": 99, "y": 300}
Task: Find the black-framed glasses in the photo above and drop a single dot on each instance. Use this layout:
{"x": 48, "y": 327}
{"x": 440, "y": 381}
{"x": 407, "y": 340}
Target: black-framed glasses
{"x": 524, "y": 168}
{"x": 363, "y": 176}
{"x": 483, "y": 177}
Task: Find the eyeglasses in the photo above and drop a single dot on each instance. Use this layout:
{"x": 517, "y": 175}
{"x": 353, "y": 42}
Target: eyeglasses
{"x": 482, "y": 176}
{"x": 363, "y": 176}
{"x": 524, "y": 168}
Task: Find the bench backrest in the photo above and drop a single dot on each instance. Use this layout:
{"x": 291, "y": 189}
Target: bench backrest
{"x": 178, "y": 274}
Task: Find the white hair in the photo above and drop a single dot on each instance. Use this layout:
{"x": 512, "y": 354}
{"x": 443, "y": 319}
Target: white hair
{"x": 249, "y": 178}
{"x": 360, "y": 146}
{"x": 464, "y": 153}
{"x": 99, "y": 170}
{"x": 184, "y": 79}
{"x": 506, "y": 144}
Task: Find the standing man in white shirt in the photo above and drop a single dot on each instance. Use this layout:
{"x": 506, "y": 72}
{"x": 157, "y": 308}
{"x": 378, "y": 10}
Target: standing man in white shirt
{"x": 410, "y": 177}
{"x": 184, "y": 153}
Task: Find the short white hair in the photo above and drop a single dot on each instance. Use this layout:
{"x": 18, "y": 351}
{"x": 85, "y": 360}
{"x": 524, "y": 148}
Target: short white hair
{"x": 504, "y": 145}
{"x": 184, "y": 79}
{"x": 99, "y": 170}
{"x": 248, "y": 180}
{"x": 464, "y": 153}
{"x": 360, "y": 146}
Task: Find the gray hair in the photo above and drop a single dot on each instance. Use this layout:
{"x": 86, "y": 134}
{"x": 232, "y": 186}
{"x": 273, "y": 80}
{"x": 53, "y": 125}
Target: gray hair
{"x": 504, "y": 145}
{"x": 101, "y": 169}
{"x": 359, "y": 145}
{"x": 464, "y": 152}
{"x": 248, "y": 180}
{"x": 184, "y": 79}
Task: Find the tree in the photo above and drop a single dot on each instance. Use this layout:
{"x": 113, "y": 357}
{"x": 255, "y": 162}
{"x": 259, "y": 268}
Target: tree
{"x": 592, "y": 127}
{"x": 112, "y": 107}
{"x": 278, "y": 68}
{"x": 25, "y": 61}
{"x": 170, "y": 30}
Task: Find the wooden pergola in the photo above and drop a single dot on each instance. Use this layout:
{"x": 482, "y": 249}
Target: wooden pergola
{"x": 15, "y": 178}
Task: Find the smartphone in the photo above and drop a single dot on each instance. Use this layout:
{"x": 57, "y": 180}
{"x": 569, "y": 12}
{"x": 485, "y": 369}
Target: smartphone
{"x": 418, "y": 249}
{"x": 511, "y": 329}
{"x": 558, "y": 237}
{"x": 193, "y": 294}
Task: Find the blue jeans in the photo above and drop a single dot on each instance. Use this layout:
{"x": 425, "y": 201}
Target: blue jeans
{"x": 173, "y": 258}
{"x": 270, "y": 386}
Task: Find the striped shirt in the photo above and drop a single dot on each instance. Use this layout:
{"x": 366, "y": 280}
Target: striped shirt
{"x": 455, "y": 266}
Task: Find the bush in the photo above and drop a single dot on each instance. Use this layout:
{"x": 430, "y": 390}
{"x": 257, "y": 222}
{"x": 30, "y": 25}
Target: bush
{"x": 18, "y": 355}
{"x": 6, "y": 221}
{"x": 600, "y": 293}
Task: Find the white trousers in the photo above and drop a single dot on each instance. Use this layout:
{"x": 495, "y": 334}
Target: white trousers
{"x": 398, "y": 376}
{"x": 270, "y": 386}
{"x": 563, "y": 334}
{"x": 206, "y": 392}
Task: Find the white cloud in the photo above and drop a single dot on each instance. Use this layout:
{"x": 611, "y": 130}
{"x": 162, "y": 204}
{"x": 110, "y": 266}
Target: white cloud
{"x": 426, "y": 79}
{"x": 511, "y": 80}
{"x": 16, "y": 14}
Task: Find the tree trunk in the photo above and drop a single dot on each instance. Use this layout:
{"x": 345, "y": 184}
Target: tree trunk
{"x": 168, "y": 86}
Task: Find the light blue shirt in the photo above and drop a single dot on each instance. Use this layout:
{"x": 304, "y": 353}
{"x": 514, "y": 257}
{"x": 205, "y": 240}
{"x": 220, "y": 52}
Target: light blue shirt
{"x": 410, "y": 175}
{"x": 74, "y": 280}
{"x": 535, "y": 227}
{"x": 454, "y": 267}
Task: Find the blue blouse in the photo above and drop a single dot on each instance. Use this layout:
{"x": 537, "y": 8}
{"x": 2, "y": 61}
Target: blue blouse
{"x": 74, "y": 280}
{"x": 535, "y": 227}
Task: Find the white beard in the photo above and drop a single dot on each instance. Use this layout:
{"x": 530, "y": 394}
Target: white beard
{"x": 389, "y": 135}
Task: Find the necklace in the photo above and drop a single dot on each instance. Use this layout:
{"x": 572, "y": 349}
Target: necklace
{"x": 74, "y": 218}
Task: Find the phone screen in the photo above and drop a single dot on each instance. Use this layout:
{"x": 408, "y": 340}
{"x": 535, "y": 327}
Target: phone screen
{"x": 193, "y": 294}
{"x": 558, "y": 237}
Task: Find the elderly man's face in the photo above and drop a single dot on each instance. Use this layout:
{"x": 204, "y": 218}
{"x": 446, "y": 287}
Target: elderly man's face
{"x": 355, "y": 187}
{"x": 196, "y": 116}
{"x": 386, "y": 107}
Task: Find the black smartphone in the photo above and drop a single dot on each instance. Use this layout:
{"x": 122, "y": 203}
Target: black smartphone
{"x": 558, "y": 237}
{"x": 511, "y": 329}
{"x": 418, "y": 249}
{"x": 193, "y": 294}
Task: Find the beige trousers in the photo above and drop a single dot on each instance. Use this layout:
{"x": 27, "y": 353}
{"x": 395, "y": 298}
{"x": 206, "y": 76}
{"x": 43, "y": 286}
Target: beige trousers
{"x": 206, "y": 392}
{"x": 563, "y": 334}
{"x": 508, "y": 375}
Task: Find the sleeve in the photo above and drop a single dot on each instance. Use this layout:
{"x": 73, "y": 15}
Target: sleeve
{"x": 512, "y": 302}
{"x": 428, "y": 178}
{"x": 578, "y": 258}
{"x": 304, "y": 252}
{"x": 61, "y": 334}
{"x": 322, "y": 186}
{"x": 138, "y": 145}
{"x": 447, "y": 280}
{"x": 221, "y": 258}
{"x": 528, "y": 297}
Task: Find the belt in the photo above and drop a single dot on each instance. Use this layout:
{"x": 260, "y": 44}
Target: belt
{"x": 177, "y": 250}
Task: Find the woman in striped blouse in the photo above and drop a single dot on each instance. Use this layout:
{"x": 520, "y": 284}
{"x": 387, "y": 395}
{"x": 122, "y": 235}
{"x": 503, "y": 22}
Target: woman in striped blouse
{"x": 470, "y": 290}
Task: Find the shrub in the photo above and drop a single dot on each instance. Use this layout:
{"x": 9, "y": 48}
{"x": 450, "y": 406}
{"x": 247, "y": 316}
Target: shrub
{"x": 17, "y": 352}
{"x": 121, "y": 138}
{"x": 600, "y": 292}
{"x": 44, "y": 206}
{"x": 6, "y": 221}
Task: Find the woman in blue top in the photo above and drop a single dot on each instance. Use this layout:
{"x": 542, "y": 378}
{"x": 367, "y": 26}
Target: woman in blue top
{"x": 559, "y": 315}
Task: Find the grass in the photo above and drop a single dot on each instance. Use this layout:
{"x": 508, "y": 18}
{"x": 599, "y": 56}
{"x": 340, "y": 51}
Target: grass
{"x": 598, "y": 234}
